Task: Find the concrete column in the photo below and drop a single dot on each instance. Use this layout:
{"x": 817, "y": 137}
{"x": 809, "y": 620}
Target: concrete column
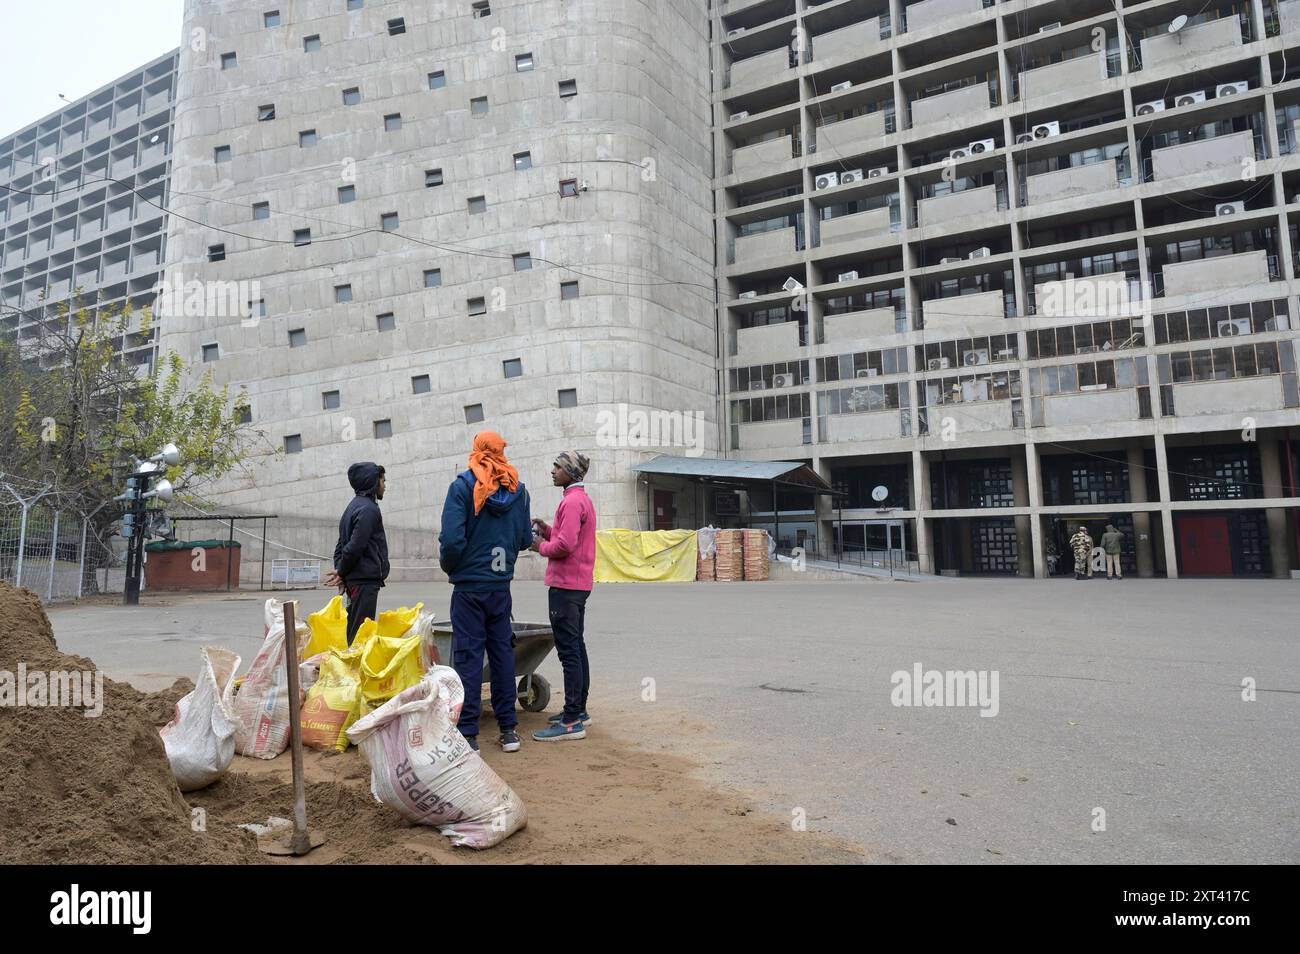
{"x": 1167, "y": 523}
{"x": 921, "y": 503}
{"x": 1270, "y": 465}
{"x": 1137, "y": 493}
{"x": 1024, "y": 537}
{"x": 1033, "y": 476}
{"x": 825, "y": 508}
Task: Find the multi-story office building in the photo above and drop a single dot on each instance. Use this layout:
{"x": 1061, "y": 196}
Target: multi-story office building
{"x": 984, "y": 256}
{"x": 1046, "y": 266}
{"x": 83, "y": 194}
{"x": 459, "y": 216}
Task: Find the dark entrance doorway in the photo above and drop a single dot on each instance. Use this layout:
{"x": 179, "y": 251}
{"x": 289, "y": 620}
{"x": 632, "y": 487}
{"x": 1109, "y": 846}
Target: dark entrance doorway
{"x": 665, "y": 510}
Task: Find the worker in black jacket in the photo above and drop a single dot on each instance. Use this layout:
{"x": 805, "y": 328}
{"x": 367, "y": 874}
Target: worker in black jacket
{"x": 361, "y": 555}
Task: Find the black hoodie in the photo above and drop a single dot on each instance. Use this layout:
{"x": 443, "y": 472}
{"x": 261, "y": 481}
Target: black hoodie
{"x": 361, "y": 555}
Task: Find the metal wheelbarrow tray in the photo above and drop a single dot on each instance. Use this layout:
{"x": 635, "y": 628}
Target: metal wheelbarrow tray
{"x": 533, "y": 642}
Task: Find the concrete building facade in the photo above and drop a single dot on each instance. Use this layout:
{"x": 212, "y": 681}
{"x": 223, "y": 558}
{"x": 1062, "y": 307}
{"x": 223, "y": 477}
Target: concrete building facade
{"x": 987, "y": 256}
{"x": 983, "y": 255}
{"x": 83, "y": 197}
{"x": 458, "y": 216}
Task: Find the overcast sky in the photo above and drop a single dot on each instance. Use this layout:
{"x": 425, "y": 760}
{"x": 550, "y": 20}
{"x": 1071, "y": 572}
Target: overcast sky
{"x": 72, "y": 47}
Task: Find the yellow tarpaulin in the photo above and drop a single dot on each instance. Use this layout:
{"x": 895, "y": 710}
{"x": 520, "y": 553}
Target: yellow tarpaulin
{"x": 645, "y": 556}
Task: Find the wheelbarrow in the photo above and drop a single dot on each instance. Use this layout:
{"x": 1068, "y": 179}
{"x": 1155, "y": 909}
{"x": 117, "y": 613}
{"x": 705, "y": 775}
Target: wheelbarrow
{"x": 533, "y": 642}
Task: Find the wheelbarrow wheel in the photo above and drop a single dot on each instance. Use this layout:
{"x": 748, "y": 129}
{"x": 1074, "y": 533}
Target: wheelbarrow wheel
{"x": 536, "y": 699}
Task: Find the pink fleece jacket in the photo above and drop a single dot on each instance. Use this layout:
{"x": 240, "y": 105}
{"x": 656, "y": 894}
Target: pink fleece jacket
{"x": 570, "y": 546}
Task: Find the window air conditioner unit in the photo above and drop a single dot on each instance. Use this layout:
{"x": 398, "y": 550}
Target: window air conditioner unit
{"x": 748, "y": 294}
{"x": 791, "y": 284}
{"x": 1047, "y": 129}
{"x": 847, "y": 277}
{"x": 1190, "y": 99}
{"x": 757, "y": 384}
{"x": 1280, "y": 323}
{"x": 735, "y": 32}
{"x": 974, "y": 357}
{"x": 1146, "y": 109}
{"x": 1050, "y": 27}
{"x": 1229, "y": 208}
{"x": 852, "y": 175}
{"x": 1230, "y": 89}
{"x": 783, "y": 380}
{"x": 827, "y": 180}
{"x": 878, "y": 173}
{"x": 937, "y": 364}
{"x": 983, "y": 145}
{"x": 1232, "y": 327}
{"x": 981, "y": 252}
{"x": 838, "y": 87}
{"x": 1024, "y": 138}
{"x": 866, "y": 373}
{"x": 743, "y": 114}
{"x": 950, "y": 260}
{"x": 959, "y": 154}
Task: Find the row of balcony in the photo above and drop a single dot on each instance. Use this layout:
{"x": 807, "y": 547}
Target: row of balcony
{"x": 1223, "y": 153}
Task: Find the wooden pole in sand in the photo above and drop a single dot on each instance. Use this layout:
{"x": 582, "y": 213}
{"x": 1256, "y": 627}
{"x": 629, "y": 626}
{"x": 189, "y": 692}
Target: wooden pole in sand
{"x": 301, "y": 842}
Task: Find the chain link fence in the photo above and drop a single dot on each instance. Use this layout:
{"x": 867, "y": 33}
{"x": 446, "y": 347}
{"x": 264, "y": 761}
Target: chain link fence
{"x": 56, "y": 551}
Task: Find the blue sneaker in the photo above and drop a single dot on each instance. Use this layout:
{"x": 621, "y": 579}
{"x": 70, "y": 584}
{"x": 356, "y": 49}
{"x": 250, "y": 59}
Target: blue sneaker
{"x": 559, "y": 732}
{"x": 582, "y": 717}
{"x": 473, "y": 741}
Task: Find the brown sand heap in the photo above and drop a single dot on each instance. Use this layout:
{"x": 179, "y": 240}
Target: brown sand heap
{"x": 91, "y": 790}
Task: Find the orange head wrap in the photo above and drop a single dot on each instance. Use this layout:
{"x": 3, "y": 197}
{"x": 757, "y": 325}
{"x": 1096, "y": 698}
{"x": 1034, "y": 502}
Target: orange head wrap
{"x": 487, "y": 461}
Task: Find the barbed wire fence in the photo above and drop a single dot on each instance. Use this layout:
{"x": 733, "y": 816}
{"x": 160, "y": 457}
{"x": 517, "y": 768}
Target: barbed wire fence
{"x": 56, "y": 547}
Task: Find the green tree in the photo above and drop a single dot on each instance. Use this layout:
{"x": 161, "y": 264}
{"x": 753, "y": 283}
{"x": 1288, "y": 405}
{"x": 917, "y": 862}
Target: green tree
{"x": 76, "y": 412}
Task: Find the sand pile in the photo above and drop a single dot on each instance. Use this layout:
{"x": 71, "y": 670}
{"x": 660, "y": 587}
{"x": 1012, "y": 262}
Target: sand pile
{"x": 91, "y": 790}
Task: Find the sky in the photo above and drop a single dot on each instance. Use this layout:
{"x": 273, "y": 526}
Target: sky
{"x": 48, "y": 47}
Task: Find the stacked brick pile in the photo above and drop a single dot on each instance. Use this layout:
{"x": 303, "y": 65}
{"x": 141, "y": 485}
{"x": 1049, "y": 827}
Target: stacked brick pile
{"x": 755, "y": 554}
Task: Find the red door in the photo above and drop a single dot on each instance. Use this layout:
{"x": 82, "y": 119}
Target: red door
{"x": 1203, "y": 547}
{"x": 665, "y": 510}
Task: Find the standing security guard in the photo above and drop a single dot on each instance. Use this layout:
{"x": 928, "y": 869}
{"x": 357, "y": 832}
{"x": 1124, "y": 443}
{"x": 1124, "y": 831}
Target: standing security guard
{"x": 1081, "y": 544}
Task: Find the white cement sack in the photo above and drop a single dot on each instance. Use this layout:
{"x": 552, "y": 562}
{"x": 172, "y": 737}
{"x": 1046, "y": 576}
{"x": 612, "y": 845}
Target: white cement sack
{"x": 200, "y": 739}
{"x": 262, "y": 704}
{"x": 422, "y": 767}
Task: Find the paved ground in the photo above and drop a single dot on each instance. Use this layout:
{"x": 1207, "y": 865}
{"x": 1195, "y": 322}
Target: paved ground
{"x": 1124, "y": 697}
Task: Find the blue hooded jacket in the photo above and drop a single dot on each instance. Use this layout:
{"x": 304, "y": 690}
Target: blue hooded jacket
{"x": 478, "y": 552}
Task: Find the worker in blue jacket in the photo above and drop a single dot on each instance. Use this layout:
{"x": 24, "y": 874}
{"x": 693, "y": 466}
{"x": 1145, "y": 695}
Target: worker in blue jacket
{"x": 486, "y": 522}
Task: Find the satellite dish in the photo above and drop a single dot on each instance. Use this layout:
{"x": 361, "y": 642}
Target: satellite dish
{"x": 880, "y": 493}
{"x": 1178, "y": 23}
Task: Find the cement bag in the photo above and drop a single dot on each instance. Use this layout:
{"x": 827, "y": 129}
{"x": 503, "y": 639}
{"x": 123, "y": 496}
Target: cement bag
{"x": 333, "y": 702}
{"x": 388, "y": 665}
{"x": 397, "y": 622}
{"x": 329, "y": 628}
{"x": 422, "y": 767}
{"x": 428, "y": 649}
{"x": 262, "y": 705}
{"x": 309, "y": 671}
{"x": 200, "y": 739}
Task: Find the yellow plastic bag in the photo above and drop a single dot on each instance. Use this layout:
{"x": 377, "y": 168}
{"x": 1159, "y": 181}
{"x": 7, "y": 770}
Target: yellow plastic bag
{"x": 388, "y": 665}
{"x": 333, "y": 703}
{"x": 329, "y": 629}
{"x": 397, "y": 622}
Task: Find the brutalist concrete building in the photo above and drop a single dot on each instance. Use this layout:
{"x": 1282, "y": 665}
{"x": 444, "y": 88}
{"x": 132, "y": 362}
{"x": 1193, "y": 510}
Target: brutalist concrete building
{"x": 458, "y": 216}
{"x": 977, "y": 263}
{"x": 83, "y": 194}
{"x": 999, "y": 270}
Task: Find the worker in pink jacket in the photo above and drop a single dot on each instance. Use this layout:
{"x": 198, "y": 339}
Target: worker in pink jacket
{"x": 570, "y": 548}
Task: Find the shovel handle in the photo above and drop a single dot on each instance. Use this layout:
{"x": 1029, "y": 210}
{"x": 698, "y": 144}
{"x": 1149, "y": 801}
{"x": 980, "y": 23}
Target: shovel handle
{"x": 301, "y": 843}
